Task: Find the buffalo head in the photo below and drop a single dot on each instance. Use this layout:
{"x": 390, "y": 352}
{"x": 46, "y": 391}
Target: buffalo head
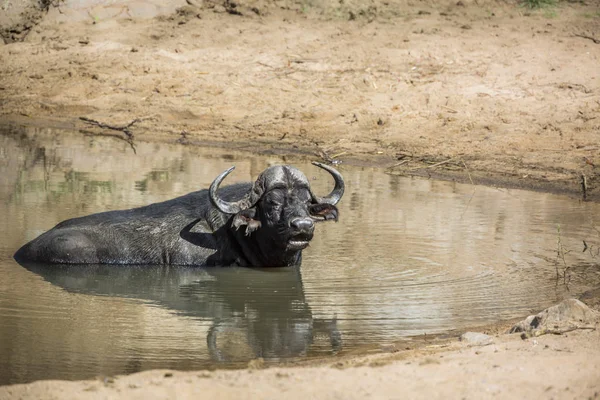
{"x": 278, "y": 212}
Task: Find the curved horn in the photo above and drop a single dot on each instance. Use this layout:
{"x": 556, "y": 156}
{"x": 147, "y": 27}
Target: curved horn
{"x": 338, "y": 191}
{"x": 228, "y": 207}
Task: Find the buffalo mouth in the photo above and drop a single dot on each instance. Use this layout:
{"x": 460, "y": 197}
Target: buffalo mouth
{"x": 298, "y": 242}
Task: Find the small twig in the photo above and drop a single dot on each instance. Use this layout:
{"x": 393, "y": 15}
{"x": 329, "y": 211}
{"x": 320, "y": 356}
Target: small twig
{"x": 440, "y": 163}
{"x": 434, "y": 165}
{"x": 265, "y": 64}
{"x": 401, "y": 155}
{"x": 467, "y": 169}
{"x": 541, "y": 332}
{"x": 593, "y": 39}
{"x": 283, "y": 74}
{"x": 452, "y": 110}
{"x": 584, "y": 186}
{"x": 398, "y": 164}
{"x": 339, "y": 154}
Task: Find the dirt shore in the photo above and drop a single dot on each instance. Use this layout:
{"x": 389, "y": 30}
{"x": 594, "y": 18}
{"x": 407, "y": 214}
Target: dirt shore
{"x": 486, "y": 91}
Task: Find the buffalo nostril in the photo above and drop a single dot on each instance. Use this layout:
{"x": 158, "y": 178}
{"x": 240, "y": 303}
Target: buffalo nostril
{"x": 302, "y": 224}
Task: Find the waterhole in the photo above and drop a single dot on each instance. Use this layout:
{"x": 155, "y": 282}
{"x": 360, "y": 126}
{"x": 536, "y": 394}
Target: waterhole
{"x": 408, "y": 257}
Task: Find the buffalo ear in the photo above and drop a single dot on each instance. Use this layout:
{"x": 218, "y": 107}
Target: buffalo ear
{"x": 246, "y": 217}
{"x": 323, "y": 212}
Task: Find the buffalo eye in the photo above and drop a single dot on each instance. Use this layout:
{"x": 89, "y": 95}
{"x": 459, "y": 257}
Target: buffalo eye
{"x": 304, "y": 196}
{"x": 274, "y": 200}
{"x": 273, "y": 203}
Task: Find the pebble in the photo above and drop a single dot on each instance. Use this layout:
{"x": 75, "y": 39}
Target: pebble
{"x": 476, "y": 339}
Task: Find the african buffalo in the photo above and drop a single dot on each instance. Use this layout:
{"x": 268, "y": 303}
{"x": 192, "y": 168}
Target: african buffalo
{"x": 265, "y": 224}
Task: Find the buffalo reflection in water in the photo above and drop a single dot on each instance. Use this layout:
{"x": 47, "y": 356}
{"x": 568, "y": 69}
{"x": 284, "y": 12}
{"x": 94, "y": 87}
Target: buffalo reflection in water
{"x": 253, "y": 312}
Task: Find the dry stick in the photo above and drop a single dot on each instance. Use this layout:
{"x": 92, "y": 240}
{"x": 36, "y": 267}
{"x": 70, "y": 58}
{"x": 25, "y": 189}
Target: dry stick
{"x": 123, "y": 128}
{"x": 283, "y": 74}
{"x": 584, "y": 186}
{"x": 593, "y": 39}
{"x": 433, "y": 165}
{"x": 467, "y": 169}
{"x": 265, "y": 65}
{"x": 398, "y": 164}
{"x": 561, "y": 331}
{"x": 450, "y": 109}
{"x": 339, "y": 154}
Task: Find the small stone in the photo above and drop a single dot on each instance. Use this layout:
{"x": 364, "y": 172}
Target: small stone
{"x": 476, "y": 339}
{"x": 107, "y": 380}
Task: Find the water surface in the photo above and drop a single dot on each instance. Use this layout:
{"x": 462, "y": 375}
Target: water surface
{"x": 408, "y": 257}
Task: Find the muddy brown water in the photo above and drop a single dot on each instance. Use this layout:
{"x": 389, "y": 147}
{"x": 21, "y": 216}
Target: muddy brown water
{"x": 408, "y": 257}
